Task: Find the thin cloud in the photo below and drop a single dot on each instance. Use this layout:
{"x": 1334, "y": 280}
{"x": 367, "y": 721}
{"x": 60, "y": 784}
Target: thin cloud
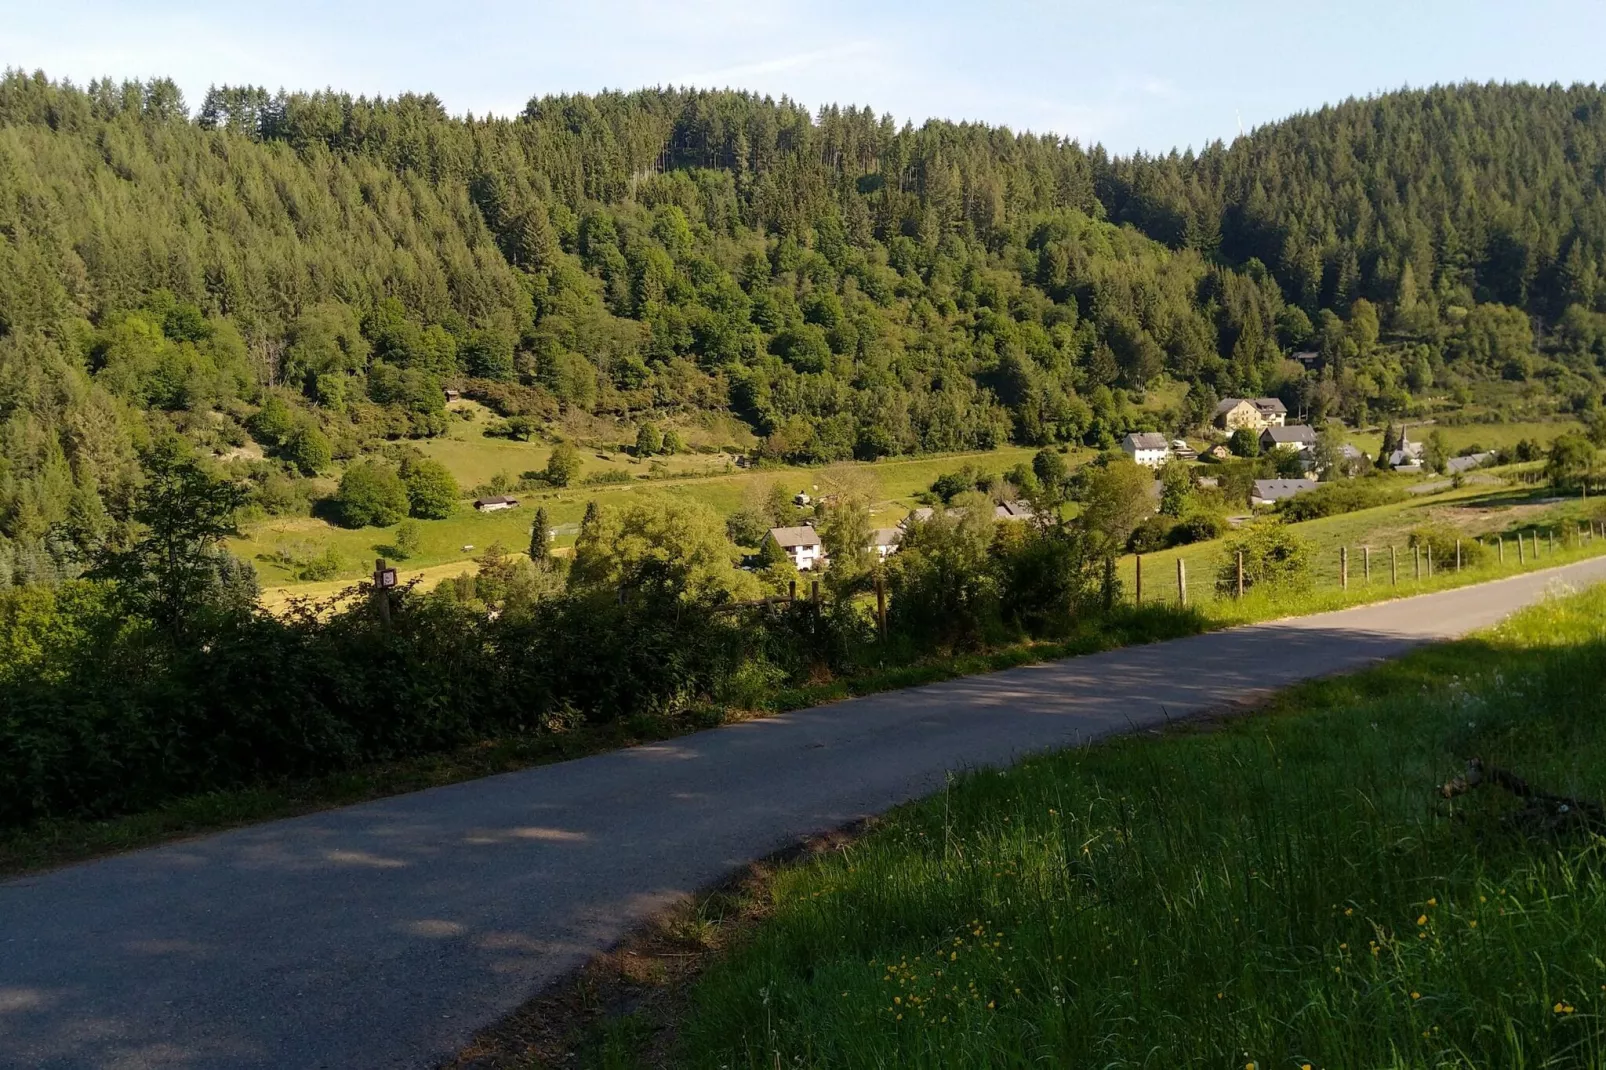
{"x": 800, "y": 61}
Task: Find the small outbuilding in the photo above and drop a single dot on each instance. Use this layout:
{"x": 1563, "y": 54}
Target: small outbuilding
{"x": 495, "y": 503}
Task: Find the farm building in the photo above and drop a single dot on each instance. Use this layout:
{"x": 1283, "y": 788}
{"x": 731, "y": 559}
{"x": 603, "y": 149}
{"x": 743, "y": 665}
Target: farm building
{"x": 495, "y": 503}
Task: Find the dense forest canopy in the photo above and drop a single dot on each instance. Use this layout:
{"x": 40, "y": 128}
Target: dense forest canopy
{"x": 309, "y": 270}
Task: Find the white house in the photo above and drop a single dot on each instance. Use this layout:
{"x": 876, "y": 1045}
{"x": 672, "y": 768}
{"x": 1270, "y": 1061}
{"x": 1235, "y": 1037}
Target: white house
{"x": 1271, "y": 491}
{"x": 884, "y": 542}
{"x": 1147, "y": 448}
{"x": 801, "y": 545}
{"x": 495, "y": 503}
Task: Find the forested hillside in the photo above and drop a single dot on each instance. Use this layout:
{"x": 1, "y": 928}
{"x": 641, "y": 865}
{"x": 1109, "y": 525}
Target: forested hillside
{"x": 307, "y": 271}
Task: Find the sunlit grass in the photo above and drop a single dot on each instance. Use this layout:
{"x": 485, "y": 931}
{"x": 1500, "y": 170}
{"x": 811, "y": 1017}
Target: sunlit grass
{"x": 1287, "y": 890}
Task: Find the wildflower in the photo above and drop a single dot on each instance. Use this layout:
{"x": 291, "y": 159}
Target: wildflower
{"x": 1416, "y": 995}
{"x": 1348, "y": 911}
{"x": 1472, "y": 924}
{"x": 1422, "y": 920}
{"x": 1563, "y": 1008}
{"x": 1433, "y": 902}
{"x": 991, "y": 1004}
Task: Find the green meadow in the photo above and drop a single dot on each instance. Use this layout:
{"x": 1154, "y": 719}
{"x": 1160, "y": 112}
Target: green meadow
{"x": 1286, "y": 889}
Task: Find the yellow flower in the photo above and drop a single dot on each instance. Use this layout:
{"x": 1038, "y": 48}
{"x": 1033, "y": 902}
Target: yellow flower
{"x": 991, "y": 1004}
{"x": 1422, "y": 919}
{"x": 1433, "y": 902}
{"x": 1348, "y": 911}
{"x": 1472, "y": 924}
{"x": 1416, "y": 995}
{"x": 1304, "y": 1066}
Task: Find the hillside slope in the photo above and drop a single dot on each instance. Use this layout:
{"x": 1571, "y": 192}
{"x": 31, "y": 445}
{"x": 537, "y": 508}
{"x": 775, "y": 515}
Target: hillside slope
{"x": 847, "y": 287}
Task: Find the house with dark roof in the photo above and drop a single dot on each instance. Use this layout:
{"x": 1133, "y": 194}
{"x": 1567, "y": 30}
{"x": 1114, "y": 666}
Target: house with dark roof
{"x": 1256, "y": 414}
{"x": 1297, "y": 437}
{"x": 495, "y": 503}
{"x": 1148, "y": 448}
{"x": 884, "y": 542}
{"x": 1016, "y": 510}
{"x": 801, "y": 545}
{"x": 1271, "y": 491}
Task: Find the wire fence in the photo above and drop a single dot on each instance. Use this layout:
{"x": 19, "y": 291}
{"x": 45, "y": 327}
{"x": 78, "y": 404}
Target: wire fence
{"x": 1203, "y": 579}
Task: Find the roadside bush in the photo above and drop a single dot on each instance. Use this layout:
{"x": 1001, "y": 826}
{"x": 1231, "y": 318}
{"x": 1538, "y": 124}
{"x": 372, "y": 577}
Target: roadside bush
{"x": 1346, "y": 496}
{"x": 1197, "y": 527}
{"x": 1442, "y": 540}
{"x": 1275, "y": 557}
{"x": 1151, "y": 535}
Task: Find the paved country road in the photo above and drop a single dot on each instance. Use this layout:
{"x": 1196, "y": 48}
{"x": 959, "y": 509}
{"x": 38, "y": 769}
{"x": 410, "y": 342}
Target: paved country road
{"x": 385, "y": 934}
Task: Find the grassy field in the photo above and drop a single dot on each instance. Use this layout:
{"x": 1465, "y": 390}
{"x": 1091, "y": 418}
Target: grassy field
{"x": 1479, "y": 510}
{"x": 1467, "y": 436}
{"x": 1281, "y": 890}
{"x": 449, "y": 546}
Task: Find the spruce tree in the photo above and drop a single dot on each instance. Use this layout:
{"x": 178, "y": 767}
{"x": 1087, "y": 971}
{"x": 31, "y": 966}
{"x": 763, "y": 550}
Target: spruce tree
{"x": 539, "y": 552}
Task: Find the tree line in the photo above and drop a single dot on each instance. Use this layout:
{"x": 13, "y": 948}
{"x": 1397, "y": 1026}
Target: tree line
{"x": 289, "y": 280}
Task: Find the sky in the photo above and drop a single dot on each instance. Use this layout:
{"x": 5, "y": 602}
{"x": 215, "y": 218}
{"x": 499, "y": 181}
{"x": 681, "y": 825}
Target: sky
{"x": 1132, "y": 75}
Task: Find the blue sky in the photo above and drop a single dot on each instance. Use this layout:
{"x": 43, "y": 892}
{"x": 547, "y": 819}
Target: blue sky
{"x": 1137, "y": 74}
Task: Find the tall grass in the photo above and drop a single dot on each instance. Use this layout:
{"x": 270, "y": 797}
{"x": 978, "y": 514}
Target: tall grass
{"x": 1287, "y": 890}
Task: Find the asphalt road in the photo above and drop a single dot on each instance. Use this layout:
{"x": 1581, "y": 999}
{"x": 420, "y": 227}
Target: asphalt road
{"x": 385, "y": 934}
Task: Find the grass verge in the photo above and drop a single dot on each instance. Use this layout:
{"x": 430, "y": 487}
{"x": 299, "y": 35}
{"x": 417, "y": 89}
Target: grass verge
{"x": 1281, "y": 890}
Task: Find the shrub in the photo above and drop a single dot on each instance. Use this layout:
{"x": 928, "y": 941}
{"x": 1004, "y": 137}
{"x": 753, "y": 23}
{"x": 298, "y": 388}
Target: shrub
{"x": 1441, "y": 539}
{"x": 371, "y": 494}
{"x": 563, "y": 464}
{"x": 431, "y": 491}
{"x": 1151, "y": 535}
{"x": 1332, "y": 499}
{"x": 1274, "y": 556}
{"x": 1197, "y": 527}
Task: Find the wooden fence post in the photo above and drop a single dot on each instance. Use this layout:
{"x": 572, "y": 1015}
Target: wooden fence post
{"x": 791, "y": 591}
{"x": 814, "y": 591}
{"x": 381, "y": 594}
{"x": 1458, "y": 555}
{"x": 881, "y": 606}
{"x": 1182, "y": 583}
{"x": 1240, "y": 575}
{"x": 1394, "y": 567}
{"x": 1366, "y": 564}
{"x": 1430, "y": 560}
{"x": 1500, "y": 547}
{"x": 1416, "y": 558}
{"x": 1522, "y": 557}
{"x": 1137, "y": 584}
{"x": 1343, "y": 568}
